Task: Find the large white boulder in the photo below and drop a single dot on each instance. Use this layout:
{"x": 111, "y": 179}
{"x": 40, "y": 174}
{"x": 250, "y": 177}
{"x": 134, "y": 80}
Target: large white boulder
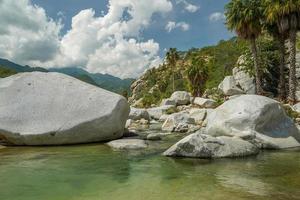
{"x": 178, "y": 122}
{"x": 168, "y": 102}
{"x": 54, "y": 109}
{"x": 256, "y": 118}
{"x": 228, "y": 87}
{"x": 198, "y": 145}
{"x": 181, "y": 98}
{"x": 199, "y": 115}
{"x": 138, "y": 114}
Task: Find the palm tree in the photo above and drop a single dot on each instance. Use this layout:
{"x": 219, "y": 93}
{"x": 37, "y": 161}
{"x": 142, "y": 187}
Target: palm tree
{"x": 285, "y": 13}
{"x": 172, "y": 57}
{"x": 197, "y": 74}
{"x": 244, "y": 16}
{"x": 275, "y": 30}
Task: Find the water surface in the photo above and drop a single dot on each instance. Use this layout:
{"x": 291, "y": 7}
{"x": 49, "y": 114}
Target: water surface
{"x": 95, "y": 172}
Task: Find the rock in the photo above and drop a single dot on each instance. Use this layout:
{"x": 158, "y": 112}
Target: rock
{"x": 248, "y": 116}
{"x": 181, "y": 98}
{"x": 54, "y": 109}
{"x": 198, "y": 145}
{"x": 296, "y": 107}
{"x": 128, "y": 144}
{"x": 178, "y": 122}
{"x": 157, "y": 112}
{"x": 138, "y": 114}
{"x": 266, "y": 142}
{"x": 143, "y": 122}
{"x": 199, "y": 115}
{"x": 168, "y": 102}
{"x": 2, "y": 147}
{"x": 244, "y": 80}
{"x": 129, "y": 133}
{"x": 229, "y": 88}
{"x": 154, "y": 136}
{"x": 138, "y": 103}
{"x": 205, "y": 103}
{"x": 163, "y": 118}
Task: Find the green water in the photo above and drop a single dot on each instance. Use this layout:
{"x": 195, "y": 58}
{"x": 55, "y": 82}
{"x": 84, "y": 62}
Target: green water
{"x": 95, "y": 172}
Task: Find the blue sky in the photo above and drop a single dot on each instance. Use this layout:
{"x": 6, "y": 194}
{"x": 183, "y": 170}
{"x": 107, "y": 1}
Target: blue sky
{"x": 202, "y": 31}
{"x": 119, "y": 37}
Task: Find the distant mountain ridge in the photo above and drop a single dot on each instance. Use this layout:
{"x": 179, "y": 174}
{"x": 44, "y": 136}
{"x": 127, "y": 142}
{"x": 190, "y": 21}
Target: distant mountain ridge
{"x": 104, "y": 81}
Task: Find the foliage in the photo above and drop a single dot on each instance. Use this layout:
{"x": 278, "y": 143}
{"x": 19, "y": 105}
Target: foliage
{"x": 197, "y": 75}
{"x": 171, "y": 110}
{"x": 5, "y": 72}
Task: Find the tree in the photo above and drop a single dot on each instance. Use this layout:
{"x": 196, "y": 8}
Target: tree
{"x": 197, "y": 74}
{"x": 244, "y": 16}
{"x": 285, "y": 13}
{"x": 172, "y": 57}
{"x": 280, "y": 37}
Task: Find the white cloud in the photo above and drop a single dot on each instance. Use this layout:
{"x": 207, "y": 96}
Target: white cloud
{"x": 26, "y": 33}
{"x": 188, "y": 6}
{"x": 105, "y": 44}
{"x": 217, "y": 16}
{"x": 173, "y": 25}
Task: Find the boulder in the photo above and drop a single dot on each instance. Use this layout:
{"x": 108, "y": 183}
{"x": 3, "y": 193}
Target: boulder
{"x": 168, "y": 102}
{"x": 199, "y": 145}
{"x": 178, "y": 122}
{"x": 157, "y": 112}
{"x": 154, "y": 136}
{"x": 205, "y": 103}
{"x": 128, "y": 144}
{"x": 244, "y": 80}
{"x": 181, "y": 98}
{"x": 2, "y": 147}
{"x": 163, "y": 118}
{"x": 199, "y": 115}
{"x": 54, "y": 109}
{"x": 228, "y": 87}
{"x": 296, "y": 107}
{"x": 138, "y": 114}
{"x": 251, "y": 117}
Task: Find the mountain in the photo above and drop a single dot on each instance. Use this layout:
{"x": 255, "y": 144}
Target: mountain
{"x": 104, "y": 81}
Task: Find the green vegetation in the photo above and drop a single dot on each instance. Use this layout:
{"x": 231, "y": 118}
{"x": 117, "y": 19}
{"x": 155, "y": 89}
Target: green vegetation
{"x": 195, "y": 71}
{"x": 5, "y": 72}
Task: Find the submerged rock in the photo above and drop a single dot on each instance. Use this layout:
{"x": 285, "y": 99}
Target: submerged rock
{"x": 181, "y": 98}
{"x": 54, "y": 109}
{"x": 254, "y": 117}
{"x": 127, "y": 144}
{"x": 198, "y": 145}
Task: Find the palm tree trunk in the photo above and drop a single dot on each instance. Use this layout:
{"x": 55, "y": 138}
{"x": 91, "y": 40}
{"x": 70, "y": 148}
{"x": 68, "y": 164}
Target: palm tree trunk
{"x": 282, "y": 82}
{"x": 256, "y": 59}
{"x": 292, "y": 74}
{"x": 173, "y": 79}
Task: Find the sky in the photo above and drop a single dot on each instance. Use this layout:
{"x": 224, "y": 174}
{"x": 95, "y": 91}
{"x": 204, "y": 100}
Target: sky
{"x": 118, "y": 37}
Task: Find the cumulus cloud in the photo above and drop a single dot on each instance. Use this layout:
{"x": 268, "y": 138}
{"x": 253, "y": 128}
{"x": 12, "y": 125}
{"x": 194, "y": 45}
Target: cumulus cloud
{"x": 26, "y": 33}
{"x": 217, "y": 16}
{"x": 171, "y": 25}
{"x": 105, "y": 44}
{"x": 188, "y": 6}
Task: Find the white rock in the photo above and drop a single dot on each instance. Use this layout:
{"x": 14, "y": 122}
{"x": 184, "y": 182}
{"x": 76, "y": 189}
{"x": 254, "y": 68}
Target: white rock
{"x": 205, "y": 103}
{"x": 178, "y": 122}
{"x": 198, "y": 145}
{"x": 138, "y": 114}
{"x": 54, "y": 109}
{"x": 229, "y": 88}
{"x": 163, "y": 118}
{"x": 127, "y": 144}
{"x": 199, "y": 115}
{"x": 296, "y": 107}
{"x": 154, "y": 136}
{"x": 181, "y": 98}
{"x": 244, "y": 80}
{"x": 249, "y": 115}
{"x": 168, "y": 102}
{"x": 157, "y": 112}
